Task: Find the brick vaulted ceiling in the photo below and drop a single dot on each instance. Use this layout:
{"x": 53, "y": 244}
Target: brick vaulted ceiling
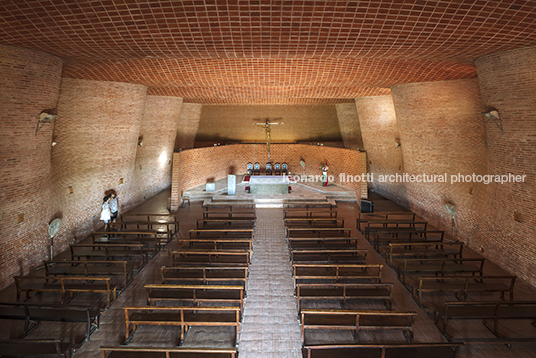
{"x": 268, "y": 51}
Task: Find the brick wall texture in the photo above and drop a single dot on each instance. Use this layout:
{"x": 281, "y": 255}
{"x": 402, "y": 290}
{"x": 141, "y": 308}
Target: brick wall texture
{"x": 508, "y": 83}
{"x": 29, "y": 84}
{"x": 349, "y": 126}
{"x": 188, "y": 123}
{"x": 379, "y": 128}
{"x": 195, "y": 167}
{"x": 158, "y": 130}
{"x": 234, "y": 124}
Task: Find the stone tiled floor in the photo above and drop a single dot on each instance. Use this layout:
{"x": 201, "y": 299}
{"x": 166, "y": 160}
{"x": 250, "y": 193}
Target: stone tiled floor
{"x": 270, "y": 327}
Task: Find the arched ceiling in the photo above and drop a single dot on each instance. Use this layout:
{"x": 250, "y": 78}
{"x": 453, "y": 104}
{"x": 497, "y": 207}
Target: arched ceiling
{"x": 268, "y": 51}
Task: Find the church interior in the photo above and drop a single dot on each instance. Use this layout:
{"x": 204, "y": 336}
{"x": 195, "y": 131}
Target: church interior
{"x": 293, "y": 178}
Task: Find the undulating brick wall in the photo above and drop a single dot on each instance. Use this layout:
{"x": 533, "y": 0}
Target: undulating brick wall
{"x": 442, "y": 132}
{"x": 29, "y": 84}
{"x": 234, "y": 124}
{"x": 188, "y": 123}
{"x": 377, "y": 119}
{"x": 349, "y": 126}
{"x": 157, "y": 132}
{"x": 508, "y": 84}
{"x": 97, "y": 134}
{"x": 195, "y": 167}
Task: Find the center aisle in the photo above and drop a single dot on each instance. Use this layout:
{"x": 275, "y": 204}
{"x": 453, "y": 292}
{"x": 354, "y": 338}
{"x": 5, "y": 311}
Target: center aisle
{"x": 270, "y": 326}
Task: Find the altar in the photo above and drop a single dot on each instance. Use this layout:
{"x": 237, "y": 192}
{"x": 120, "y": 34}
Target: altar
{"x": 268, "y": 184}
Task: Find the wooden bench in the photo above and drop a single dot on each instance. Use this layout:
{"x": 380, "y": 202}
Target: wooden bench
{"x": 422, "y": 250}
{"x": 166, "y": 352}
{"x": 328, "y": 256}
{"x": 225, "y": 224}
{"x": 216, "y": 244}
{"x": 205, "y": 275}
{"x": 407, "y": 350}
{"x": 323, "y": 242}
{"x": 211, "y": 258}
{"x": 462, "y": 286}
{"x": 378, "y": 226}
{"x": 65, "y": 286}
{"x": 340, "y": 273}
{"x": 90, "y": 268}
{"x": 185, "y": 317}
{"x": 495, "y": 311}
{"x": 309, "y": 206}
{"x": 390, "y": 235}
{"x": 220, "y": 233}
{"x": 313, "y": 222}
{"x": 311, "y": 214}
{"x": 156, "y": 219}
{"x": 345, "y": 292}
{"x": 35, "y": 347}
{"x": 164, "y": 228}
{"x": 440, "y": 267}
{"x": 388, "y": 215}
{"x": 235, "y": 215}
{"x": 195, "y": 294}
{"x": 35, "y": 313}
{"x": 150, "y": 239}
{"x": 318, "y": 231}
{"x": 109, "y": 251}
{"x": 358, "y": 321}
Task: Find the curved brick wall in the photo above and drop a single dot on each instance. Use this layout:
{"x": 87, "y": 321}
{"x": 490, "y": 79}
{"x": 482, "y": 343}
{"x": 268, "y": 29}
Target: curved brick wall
{"x": 349, "y": 126}
{"x": 153, "y": 160}
{"x": 195, "y": 166}
{"x": 29, "y": 84}
{"x": 442, "y": 131}
{"x": 379, "y": 128}
{"x": 97, "y": 134}
{"x": 508, "y": 84}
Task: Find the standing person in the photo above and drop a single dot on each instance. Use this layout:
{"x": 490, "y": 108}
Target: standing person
{"x": 105, "y": 213}
{"x": 114, "y": 206}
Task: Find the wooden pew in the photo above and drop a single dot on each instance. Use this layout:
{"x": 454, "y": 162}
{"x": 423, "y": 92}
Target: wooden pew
{"x": 225, "y": 224}
{"x": 358, "y": 321}
{"x": 372, "y": 227}
{"x": 216, "y": 244}
{"x": 153, "y": 218}
{"x": 65, "y": 286}
{"x": 35, "y": 313}
{"x": 388, "y": 215}
{"x": 234, "y": 207}
{"x": 340, "y": 273}
{"x": 313, "y": 222}
{"x": 322, "y": 242}
{"x": 211, "y": 258}
{"x": 425, "y": 250}
{"x": 311, "y": 214}
{"x": 345, "y": 292}
{"x": 328, "y": 256}
{"x": 395, "y": 235}
{"x": 165, "y": 229}
{"x": 495, "y": 311}
{"x": 166, "y": 352}
{"x": 440, "y": 267}
{"x": 318, "y": 232}
{"x": 185, "y": 317}
{"x": 205, "y": 275}
{"x": 234, "y": 215}
{"x": 220, "y": 233}
{"x": 109, "y": 251}
{"x": 33, "y": 347}
{"x": 413, "y": 350}
{"x": 150, "y": 239}
{"x": 309, "y": 206}
{"x": 195, "y": 294}
{"x": 462, "y": 286}
{"x": 90, "y": 268}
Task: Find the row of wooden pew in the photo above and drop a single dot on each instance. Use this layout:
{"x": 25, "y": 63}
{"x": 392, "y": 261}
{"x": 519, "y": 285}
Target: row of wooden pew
{"x": 429, "y": 265}
{"x": 104, "y": 266}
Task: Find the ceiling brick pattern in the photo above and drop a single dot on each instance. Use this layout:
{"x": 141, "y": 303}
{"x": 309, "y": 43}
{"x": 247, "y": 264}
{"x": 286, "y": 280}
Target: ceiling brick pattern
{"x": 227, "y": 45}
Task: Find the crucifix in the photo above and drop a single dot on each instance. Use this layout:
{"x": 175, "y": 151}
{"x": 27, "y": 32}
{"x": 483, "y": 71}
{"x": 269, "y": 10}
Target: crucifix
{"x": 268, "y": 129}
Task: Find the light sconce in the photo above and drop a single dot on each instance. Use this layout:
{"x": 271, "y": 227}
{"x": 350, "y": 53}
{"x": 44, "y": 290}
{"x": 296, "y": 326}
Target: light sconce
{"x": 140, "y": 141}
{"x": 45, "y": 117}
{"x": 494, "y": 116}
{"x": 397, "y": 144}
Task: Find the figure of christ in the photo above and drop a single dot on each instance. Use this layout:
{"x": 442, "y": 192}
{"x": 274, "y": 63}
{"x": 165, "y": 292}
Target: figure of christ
{"x": 267, "y": 127}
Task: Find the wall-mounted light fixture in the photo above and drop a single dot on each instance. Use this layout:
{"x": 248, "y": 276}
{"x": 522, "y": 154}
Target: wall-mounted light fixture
{"x": 45, "y": 117}
{"x": 397, "y": 144}
{"x": 493, "y": 115}
{"x": 140, "y": 141}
